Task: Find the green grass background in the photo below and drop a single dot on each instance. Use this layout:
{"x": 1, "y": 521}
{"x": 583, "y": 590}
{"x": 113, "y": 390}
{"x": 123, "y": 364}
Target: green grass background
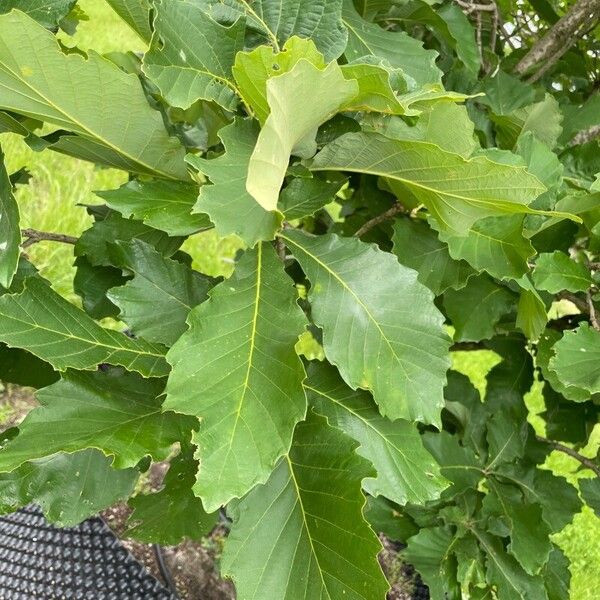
{"x": 59, "y": 184}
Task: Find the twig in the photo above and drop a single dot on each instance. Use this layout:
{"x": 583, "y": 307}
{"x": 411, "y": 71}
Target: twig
{"x": 586, "y": 135}
{"x": 33, "y": 236}
{"x": 471, "y": 6}
{"x": 592, "y": 311}
{"x": 580, "y": 303}
{"x": 584, "y": 460}
{"x": 388, "y": 214}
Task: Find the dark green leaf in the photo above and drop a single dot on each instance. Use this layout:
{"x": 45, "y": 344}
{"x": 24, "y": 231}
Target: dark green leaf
{"x": 10, "y": 234}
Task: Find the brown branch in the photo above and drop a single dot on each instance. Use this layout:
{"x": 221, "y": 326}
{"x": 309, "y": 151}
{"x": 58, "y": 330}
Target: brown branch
{"x": 560, "y": 37}
{"x": 471, "y": 6}
{"x": 586, "y": 135}
{"x": 592, "y": 311}
{"x": 580, "y": 303}
{"x": 584, "y": 460}
{"x": 33, "y": 236}
{"x": 388, "y": 214}
{"x": 467, "y": 346}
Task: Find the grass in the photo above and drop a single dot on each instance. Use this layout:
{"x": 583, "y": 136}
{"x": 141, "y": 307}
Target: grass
{"x": 60, "y": 184}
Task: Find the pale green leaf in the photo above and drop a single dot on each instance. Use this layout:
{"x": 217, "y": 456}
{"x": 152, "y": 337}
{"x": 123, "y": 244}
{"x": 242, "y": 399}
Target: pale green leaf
{"x": 226, "y": 201}
{"x": 136, "y": 13}
{"x": 476, "y": 309}
{"x": 42, "y": 322}
{"x": 10, "y": 234}
{"x": 123, "y": 419}
{"x": 494, "y": 244}
{"x": 156, "y": 302}
{"x": 576, "y": 359}
{"x": 458, "y": 192}
{"x": 364, "y": 299}
{"x": 406, "y": 472}
{"x": 69, "y": 488}
{"x": 236, "y": 369}
{"x": 93, "y": 108}
{"x": 191, "y": 55}
{"x": 172, "y": 514}
{"x": 292, "y": 124}
{"x": 556, "y": 271}
{"x": 253, "y": 69}
{"x": 163, "y": 205}
{"x": 397, "y": 47}
{"x": 532, "y": 315}
{"x": 418, "y": 247}
{"x": 302, "y": 535}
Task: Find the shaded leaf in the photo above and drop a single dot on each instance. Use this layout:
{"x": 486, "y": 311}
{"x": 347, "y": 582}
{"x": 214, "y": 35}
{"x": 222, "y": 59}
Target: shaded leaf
{"x": 42, "y": 322}
{"x": 555, "y": 272}
{"x": 590, "y": 492}
{"x": 123, "y": 419}
{"x": 406, "y": 472}
{"x": 10, "y": 234}
{"x": 363, "y": 300}
{"x": 236, "y": 369}
{"x": 25, "y": 369}
{"x": 303, "y": 197}
{"x": 46, "y": 12}
{"x": 302, "y": 534}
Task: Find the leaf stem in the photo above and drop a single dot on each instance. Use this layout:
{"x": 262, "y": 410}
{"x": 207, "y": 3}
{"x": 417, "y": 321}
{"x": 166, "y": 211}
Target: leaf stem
{"x": 33, "y": 236}
{"x": 584, "y": 460}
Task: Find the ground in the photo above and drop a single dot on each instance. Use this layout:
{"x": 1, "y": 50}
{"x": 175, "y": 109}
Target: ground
{"x": 52, "y": 202}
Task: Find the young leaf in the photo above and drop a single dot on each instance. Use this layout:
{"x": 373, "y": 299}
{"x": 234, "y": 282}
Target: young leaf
{"x": 227, "y": 203}
{"x": 457, "y": 192}
{"x": 476, "y": 308}
{"x": 292, "y": 124}
{"x": 555, "y": 272}
{"x": 173, "y": 514}
{"x": 69, "y": 488}
{"x": 397, "y": 47}
{"x": 10, "y": 234}
{"x": 163, "y": 205}
{"x": 191, "y": 55}
{"x": 123, "y": 420}
{"x": 42, "y": 322}
{"x": 236, "y": 369}
{"x": 418, "y": 247}
{"x": 406, "y": 472}
{"x": 363, "y": 299}
{"x": 576, "y": 359}
{"x": 302, "y": 534}
{"x": 156, "y": 302}
{"x": 132, "y": 131}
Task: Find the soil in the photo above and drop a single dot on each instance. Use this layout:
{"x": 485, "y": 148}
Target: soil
{"x": 194, "y": 566}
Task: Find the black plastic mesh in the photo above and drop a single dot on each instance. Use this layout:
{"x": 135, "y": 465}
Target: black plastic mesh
{"x": 41, "y": 562}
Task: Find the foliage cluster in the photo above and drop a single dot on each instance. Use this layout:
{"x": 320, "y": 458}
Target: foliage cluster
{"x": 407, "y": 179}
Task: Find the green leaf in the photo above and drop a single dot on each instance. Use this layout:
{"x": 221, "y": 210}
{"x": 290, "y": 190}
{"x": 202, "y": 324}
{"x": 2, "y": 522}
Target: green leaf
{"x": 555, "y": 272}
{"x": 557, "y": 576}
{"x": 42, "y": 322}
{"x": 69, "y": 488}
{"x": 494, "y": 244}
{"x": 504, "y": 572}
{"x": 92, "y": 109}
{"x": 457, "y": 192}
{"x": 136, "y": 13}
{"x": 406, "y": 472}
{"x": 236, "y": 369}
{"x": 363, "y": 299}
{"x": 280, "y": 20}
{"x": 253, "y": 69}
{"x": 191, "y": 55}
{"x": 46, "y": 12}
{"x": 476, "y": 309}
{"x": 303, "y": 197}
{"x": 156, "y": 302}
{"x": 92, "y": 284}
{"x": 418, "y": 247}
{"x": 302, "y": 534}
{"x": 576, "y": 359}
{"x": 227, "y": 203}
{"x": 10, "y": 234}
{"x": 505, "y": 93}
{"x": 292, "y": 124}
{"x": 397, "y": 47}
{"x": 96, "y": 242}
{"x": 532, "y": 315}
{"x": 123, "y": 420}
{"x": 173, "y": 514}
{"x": 22, "y": 368}
{"x": 590, "y": 492}
{"x": 429, "y": 552}
{"x": 163, "y": 205}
